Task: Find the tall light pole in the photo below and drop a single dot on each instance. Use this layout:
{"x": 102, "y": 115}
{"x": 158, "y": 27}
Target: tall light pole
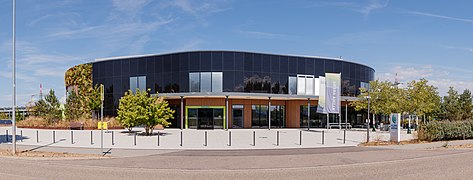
{"x": 102, "y": 98}
{"x": 368, "y": 123}
{"x": 13, "y": 119}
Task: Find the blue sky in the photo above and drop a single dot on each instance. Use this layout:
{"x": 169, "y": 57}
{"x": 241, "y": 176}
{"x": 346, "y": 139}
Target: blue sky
{"x": 415, "y": 39}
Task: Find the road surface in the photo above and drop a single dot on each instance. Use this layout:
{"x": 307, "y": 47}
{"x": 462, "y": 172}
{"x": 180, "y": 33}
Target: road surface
{"x": 318, "y": 163}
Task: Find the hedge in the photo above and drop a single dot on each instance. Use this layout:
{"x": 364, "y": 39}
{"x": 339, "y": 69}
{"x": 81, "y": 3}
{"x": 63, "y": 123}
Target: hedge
{"x": 446, "y": 130}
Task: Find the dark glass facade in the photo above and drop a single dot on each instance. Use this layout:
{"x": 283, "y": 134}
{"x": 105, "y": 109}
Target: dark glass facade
{"x": 242, "y": 72}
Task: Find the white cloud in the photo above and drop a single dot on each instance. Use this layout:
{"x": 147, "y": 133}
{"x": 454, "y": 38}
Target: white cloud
{"x": 441, "y": 77}
{"x": 440, "y": 16}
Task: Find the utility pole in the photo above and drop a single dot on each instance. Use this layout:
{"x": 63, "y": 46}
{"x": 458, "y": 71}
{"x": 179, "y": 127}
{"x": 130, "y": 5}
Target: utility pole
{"x": 368, "y": 123}
{"x": 14, "y": 82}
{"x": 102, "y": 98}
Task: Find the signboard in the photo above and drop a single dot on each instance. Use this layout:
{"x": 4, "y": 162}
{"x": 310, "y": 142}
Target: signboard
{"x": 321, "y": 103}
{"x": 332, "y": 86}
{"x": 102, "y": 125}
{"x": 395, "y": 124}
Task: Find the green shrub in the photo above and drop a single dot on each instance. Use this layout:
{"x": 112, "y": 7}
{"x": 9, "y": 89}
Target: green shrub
{"x": 446, "y": 130}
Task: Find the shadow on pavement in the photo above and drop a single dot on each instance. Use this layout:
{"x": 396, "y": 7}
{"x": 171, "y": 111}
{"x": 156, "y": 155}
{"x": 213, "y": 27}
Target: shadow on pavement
{"x": 8, "y": 138}
{"x": 46, "y": 145}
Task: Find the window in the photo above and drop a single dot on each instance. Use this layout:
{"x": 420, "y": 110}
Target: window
{"x": 206, "y": 82}
{"x": 138, "y": 82}
{"x": 309, "y": 81}
{"x": 217, "y": 79}
{"x": 306, "y": 85}
{"x": 365, "y": 85}
{"x": 194, "y": 82}
{"x": 301, "y": 85}
{"x": 292, "y": 85}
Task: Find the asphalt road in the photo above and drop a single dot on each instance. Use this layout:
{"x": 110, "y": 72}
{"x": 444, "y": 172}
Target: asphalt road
{"x": 326, "y": 163}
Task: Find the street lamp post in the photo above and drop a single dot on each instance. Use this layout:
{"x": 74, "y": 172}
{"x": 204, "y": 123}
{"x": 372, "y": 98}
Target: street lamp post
{"x": 368, "y": 123}
{"x": 14, "y": 82}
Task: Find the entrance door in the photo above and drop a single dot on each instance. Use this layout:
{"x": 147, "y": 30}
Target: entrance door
{"x": 205, "y": 118}
{"x": 237, "y": 116}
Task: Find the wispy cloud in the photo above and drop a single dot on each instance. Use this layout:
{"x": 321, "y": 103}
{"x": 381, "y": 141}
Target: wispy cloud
{"x": 131, "y": 7}
{"x": 365, "y": 8}
{"x": 364, "y": 37}
{"x": 440, "y": 16}
{"x": 372, "y": 6}
{"x": 458, "y": 48}
{"x": 264, "y": 35}
{"x": 197, "y": 8}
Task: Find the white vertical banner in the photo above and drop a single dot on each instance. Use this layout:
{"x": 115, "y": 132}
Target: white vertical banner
{"x": 333, "y": 86}
{"x": 321, "y": 104}
{"x": 395, "y": 124}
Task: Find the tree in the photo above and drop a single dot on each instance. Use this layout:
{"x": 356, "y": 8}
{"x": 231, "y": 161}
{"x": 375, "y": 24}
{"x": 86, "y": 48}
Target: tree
{"x": 141, "y": 109}
{"x": 384, "y": 98}
{"x": 465, "y": 101}
{"x": 94, "y": 100}
{"x": 129, "y": 111}
{"x": 48, "y": 108}
{"x": 450, "y": 105}
{"x": 159, "y": 113}
{"x": 422, "y": 99}
{"x": 73, "y": 106}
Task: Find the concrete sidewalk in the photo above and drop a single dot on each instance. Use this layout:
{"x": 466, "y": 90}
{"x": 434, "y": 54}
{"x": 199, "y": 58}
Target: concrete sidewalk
{"x": 170, "y": 139}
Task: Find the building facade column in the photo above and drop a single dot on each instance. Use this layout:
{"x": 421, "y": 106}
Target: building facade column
{"x": 269, "y": 113}
{"x": 308, "y": 113}
{"x": 226, "y": 112}
{"x": 328, "y": 120}
{"x": 346, "y": 113}
{"x": 182, "y": 112}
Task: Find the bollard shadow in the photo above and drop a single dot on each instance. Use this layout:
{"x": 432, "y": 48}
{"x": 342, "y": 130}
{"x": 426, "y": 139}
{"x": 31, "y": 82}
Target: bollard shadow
{"x": 313, "y": 130}
{"x": 109, "y": 151}
{"x": 8, "y": 139}
{"x": 347, "y": 140}
{"x": 129, "y": 132}
{"x": 43, "y": 146}
{"x": 155, "y": 134}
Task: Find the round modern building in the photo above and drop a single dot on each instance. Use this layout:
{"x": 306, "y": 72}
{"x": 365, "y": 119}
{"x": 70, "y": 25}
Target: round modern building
{"x": 234, "y": 89}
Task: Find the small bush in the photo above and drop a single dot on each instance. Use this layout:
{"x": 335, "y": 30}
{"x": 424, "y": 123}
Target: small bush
{"x": 446, "y": 130}
{"x": 38, "y": 122}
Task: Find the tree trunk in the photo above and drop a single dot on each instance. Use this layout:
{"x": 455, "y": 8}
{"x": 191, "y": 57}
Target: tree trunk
{"x": 147, "y": 127}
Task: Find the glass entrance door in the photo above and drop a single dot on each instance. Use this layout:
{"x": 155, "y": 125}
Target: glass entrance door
{"x": 237, "y": 116}
{"x": 205, "y": 118}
